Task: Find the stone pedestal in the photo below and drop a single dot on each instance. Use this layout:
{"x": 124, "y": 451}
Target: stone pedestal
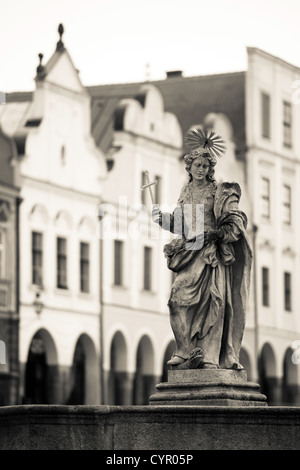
{"x": 208, "y": 387}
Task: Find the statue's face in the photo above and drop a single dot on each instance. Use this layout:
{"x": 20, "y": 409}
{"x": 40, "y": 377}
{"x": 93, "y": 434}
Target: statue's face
{"x": 199, "y": 169}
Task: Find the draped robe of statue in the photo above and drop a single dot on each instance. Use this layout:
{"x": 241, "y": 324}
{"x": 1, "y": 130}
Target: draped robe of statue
{"x": 209, "y": 295}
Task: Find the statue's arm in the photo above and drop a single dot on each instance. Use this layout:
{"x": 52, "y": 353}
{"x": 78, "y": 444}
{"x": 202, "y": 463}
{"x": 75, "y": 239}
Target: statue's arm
{"x": 171, "y": 222}
{"x": 233, "y": 220}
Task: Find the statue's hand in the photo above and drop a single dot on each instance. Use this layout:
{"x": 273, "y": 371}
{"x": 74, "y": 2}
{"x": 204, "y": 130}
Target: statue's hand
{"x": 156, "y": 214}
{"x": 195, "y": 243}
{"x": 212, "y": 236}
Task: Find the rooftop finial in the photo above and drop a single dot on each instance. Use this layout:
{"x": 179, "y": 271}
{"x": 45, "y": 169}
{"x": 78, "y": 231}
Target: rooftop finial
{"x": 60, "y": 45}
{"x": 40, "y": 70}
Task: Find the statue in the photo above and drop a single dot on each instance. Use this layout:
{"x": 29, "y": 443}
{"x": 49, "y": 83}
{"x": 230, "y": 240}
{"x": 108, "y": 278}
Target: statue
{"x": 208, "y": 298}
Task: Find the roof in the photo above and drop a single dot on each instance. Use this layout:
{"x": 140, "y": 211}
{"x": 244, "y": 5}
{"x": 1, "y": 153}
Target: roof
{"x": 189, "y": 98}
{"x": 19, "y": 96}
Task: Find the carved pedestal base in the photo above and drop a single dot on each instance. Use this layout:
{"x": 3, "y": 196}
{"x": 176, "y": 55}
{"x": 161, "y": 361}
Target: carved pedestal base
{"x": 208, "y": 387}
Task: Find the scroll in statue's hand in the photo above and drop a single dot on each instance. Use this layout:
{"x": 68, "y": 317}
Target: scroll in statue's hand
{"x": 156, "y": 214}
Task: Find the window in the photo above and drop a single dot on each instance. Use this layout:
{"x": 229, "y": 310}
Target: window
{"x": 147, "y": 267}
{"x": 265, "y": 115}
{"x": 287, "y": 292}
{"x": 2, "y": 254}
{"x": 265, "y": 286}
{"x": 287, "y": 217}
{"x": 61, "y": 249}
{"x": 84, "y": 267}
{"x": 287, "y": 124}
{"x": 118, "y": 274}
{"x": 157, "y": 198}
{"x": 265, "y": 198}
{"x": 37, "y": 258}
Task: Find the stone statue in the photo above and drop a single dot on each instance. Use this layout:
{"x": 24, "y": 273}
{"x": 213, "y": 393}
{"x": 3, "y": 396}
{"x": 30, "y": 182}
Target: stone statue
{"x": 209, "y": 294}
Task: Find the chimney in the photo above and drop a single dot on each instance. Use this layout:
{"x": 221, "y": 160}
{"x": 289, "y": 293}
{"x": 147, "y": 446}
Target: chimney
{"x": 174, "y": 74}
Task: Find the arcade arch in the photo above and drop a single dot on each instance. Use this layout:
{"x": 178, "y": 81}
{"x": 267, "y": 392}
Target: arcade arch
{"x": 144, "y": 381}
{"x": 117, "y": 381}
{"x": 84, "y": 373}
{"x": 41, "y": 370}
{"x": 267, "y": 374}
{"x": 290, "y": 387}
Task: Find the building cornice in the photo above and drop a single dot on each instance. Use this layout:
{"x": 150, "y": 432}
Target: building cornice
{"x": 49, "y": 185}
{"x": 154, "y": 141}
{"x": 277, "y": 332}
{"x": 268, "y": 56}
{"x": 292, "y": 159}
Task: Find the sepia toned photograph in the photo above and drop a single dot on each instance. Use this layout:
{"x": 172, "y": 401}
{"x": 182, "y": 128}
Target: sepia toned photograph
{"x": 150, "y": 228}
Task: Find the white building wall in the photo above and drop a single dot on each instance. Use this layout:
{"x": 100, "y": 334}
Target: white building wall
{"x": 151, "y": 140}
{"x": 277, "y": 245}
{"x": 61, "y": 194}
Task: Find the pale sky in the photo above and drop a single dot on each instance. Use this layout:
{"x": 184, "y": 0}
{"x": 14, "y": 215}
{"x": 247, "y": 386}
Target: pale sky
{"x": 112, "y": 41}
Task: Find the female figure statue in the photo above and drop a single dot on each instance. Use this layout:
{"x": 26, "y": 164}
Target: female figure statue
{"x": 208, "y": 297}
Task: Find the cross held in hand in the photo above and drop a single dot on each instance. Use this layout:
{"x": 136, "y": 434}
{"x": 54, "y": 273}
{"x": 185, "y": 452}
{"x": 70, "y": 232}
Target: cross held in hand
{"x": 148, "y": 185}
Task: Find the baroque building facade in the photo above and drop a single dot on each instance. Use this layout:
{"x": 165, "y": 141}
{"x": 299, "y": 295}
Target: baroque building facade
{"x": 137, "y": 335}
{"x": 9, "y": 268}
{"x": 273, "y": 156}
{"x": 61, "y": 179}
{"x": 257, "y": 112}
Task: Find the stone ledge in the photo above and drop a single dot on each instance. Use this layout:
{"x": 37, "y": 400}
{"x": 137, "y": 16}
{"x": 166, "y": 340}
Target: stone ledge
{"x": 44, "y": 427}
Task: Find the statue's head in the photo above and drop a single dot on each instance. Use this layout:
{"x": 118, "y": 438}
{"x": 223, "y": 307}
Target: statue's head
{"x": 200, "y": 153}
{"x": 203, "y": 143}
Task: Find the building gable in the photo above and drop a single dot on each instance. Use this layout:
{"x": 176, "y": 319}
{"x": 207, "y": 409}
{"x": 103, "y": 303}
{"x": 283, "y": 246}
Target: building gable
{"x": 63, "y": 73}
{"x": 190, "y": 99}
{"x": 144, "y": 115}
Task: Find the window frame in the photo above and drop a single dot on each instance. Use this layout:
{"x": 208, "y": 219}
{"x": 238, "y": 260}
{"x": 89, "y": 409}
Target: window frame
{"x": 287, "y": 291}
{"x": 118, "y": 262}
{"x": 265, "y": 115}
{"x": 287, "y": 205}
{"x": 84, "y": 267}
{"x": 147, "y": 268}
{"x": 287, "y": 123}
{"x": 265, "y": 273}
{"x": 61, "y": 258}
{"x": 37, "y": 252}
{"x": 265, "y": 198}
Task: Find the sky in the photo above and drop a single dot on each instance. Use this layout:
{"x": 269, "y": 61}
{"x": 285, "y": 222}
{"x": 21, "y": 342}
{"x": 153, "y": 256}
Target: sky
{"x": 120, "y": 41}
